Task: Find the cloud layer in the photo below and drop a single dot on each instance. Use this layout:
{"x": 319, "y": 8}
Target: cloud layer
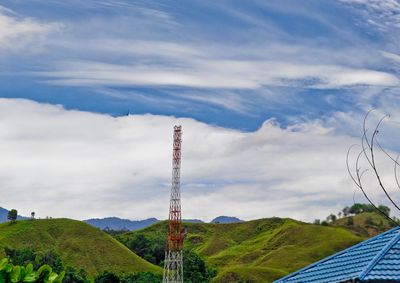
{"x": 17, "y": 32}
{"x": 314, "y": 67}
{"x": 218, "y": 74}
{"x": 246, "y": 59}
{"x": 79, "y": 164}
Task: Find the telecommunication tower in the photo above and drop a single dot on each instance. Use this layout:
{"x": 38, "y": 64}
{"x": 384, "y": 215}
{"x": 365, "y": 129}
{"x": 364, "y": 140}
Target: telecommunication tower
{"x": 173, "y": 267}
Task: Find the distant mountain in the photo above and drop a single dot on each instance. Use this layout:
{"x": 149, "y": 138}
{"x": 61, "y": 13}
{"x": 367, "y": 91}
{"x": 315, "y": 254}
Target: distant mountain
{"x": 3, "y": 215}
{"x": 226, "y": 219}
{"x": 115, "y": 223}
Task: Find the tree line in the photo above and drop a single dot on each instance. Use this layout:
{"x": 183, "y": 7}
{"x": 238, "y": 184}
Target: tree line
{"x": 349, "y": 211}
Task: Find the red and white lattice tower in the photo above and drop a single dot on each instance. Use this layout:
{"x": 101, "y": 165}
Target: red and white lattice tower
{"x": 173, "y": 268}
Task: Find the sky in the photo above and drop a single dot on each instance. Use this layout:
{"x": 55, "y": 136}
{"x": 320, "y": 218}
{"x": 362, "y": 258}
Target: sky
{"x": 270, "y": 94}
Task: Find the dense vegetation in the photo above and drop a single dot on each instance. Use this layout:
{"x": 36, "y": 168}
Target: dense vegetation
{"x": 78, "y": 244}
{"x": 355, "y": 209}
{"x": 363, "y": 219}
{"x": 254, "y": 251}
{"x": 49, "y": 263}
{"x": 16, "y": 273}
{"x": 153, "y": 250}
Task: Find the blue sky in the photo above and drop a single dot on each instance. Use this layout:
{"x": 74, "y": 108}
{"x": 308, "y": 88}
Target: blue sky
{"x": 233, "y": 64}
{"x": 270, "y": 93}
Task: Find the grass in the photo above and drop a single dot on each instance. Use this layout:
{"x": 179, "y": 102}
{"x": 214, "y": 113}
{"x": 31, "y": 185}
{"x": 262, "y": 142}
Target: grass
{"x": 78, "y": 244}
{"x": 254, "y": 251}
{"x": 366, "y": 224}
{"x": 260, "y": 250}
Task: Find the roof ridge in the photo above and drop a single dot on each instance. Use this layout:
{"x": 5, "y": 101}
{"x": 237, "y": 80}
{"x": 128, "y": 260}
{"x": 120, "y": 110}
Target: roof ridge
{"x": 378, "y": 256}
{"x": 337, "y": 254}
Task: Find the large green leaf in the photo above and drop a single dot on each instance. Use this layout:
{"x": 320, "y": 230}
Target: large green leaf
{"x": 44, "y": 272}
{"x": 3, "y": 264}
{"x": 59, "y": 278}
{"x": 30, "y": 277}
{"x": 9, "y": 267}
{"x": 22, "y": 273}
{"x": 29, "y": 268}
{"x": 15, "y": 274}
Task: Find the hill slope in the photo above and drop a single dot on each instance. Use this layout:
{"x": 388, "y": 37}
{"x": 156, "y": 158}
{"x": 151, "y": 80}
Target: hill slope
{"x": 79, "y": 245}
{"x": 260, "y": 250}
{"x": 366, "y": 224}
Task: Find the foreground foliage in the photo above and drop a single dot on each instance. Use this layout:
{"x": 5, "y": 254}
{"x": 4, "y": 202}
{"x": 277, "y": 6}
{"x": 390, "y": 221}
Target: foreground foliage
{"x": 17, "y": 273}
{"x": 50, "y": 259}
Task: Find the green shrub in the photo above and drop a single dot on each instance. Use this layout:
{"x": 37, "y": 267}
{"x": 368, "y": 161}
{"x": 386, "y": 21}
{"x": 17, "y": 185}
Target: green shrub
{"x": 350, "y": 221}
{"x": 27, "y": 255}
{"x": 17, "y": 273}
{"x": 72, "y": 275}
{"x": 142, "y": 277}
{"x": 107, "y": 277}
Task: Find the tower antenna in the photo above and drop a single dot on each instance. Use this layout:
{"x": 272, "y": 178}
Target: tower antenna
{"x": 173, "y": 267}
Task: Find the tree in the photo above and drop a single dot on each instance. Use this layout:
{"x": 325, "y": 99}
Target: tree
{"x": 142, "y": 277}
{"x": 356, "y": 208}
{"x": 346, "y": 211}
{"x": 107, "y": 277}
{"x": 32, "y": 215}
{"x": 366, "y": 162}
{"x": 350, "y": 221}
{"x": 331, "y": 218}
{"x": 72, "y": 275}
{"x": 194, "y": 268}
{"x": 12, "y": 215}
{"x": 385, "y": 209}
{"x": 324, "y": 223}
{"x": 151, "y": 249}
{"x": 317, "y": 222}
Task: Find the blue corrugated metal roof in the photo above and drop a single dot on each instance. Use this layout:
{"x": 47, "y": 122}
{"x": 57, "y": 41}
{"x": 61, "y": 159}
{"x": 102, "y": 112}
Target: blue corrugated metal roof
{"x": 377, "y": 258}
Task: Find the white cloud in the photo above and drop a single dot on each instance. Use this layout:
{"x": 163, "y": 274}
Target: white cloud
{"x": 383, "y": 14}
{"x": 78, "y": 164}
{"x": 225, "y": 74}
{"x": 152, "y": 45}
{"x": 18, "y": 32}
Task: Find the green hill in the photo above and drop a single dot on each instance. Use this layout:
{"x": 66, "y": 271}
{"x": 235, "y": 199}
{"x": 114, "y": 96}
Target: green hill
{"x": 260, "y": 250}
{"x": 366, "y": 224}
{"x": 78, "y": 244}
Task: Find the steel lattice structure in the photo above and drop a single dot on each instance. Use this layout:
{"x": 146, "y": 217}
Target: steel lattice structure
{"x": 173, "y": 267}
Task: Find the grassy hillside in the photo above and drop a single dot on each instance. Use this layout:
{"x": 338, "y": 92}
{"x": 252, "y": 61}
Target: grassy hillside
{"x": 79, "y": 245}
{"x": 260, "y": 250}
{"x": 366, "y": 224}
